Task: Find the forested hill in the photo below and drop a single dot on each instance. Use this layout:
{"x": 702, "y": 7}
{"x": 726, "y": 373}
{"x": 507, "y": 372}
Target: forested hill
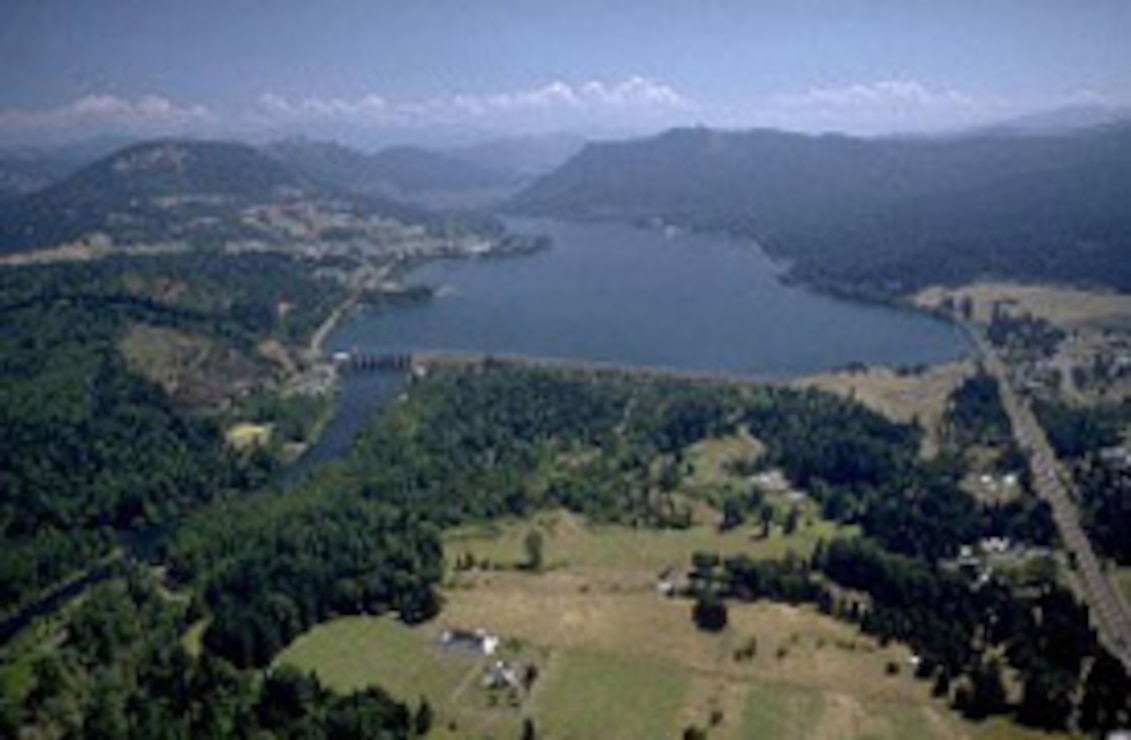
{"x": 874, "y": 215}
{"x": 197, "y": 192}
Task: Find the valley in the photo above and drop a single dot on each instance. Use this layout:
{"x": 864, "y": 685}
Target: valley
{"x": 685, "y": 493}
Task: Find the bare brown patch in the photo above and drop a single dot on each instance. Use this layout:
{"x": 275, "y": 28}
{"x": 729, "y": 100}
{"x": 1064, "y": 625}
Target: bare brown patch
{"x": 194, "y": 370}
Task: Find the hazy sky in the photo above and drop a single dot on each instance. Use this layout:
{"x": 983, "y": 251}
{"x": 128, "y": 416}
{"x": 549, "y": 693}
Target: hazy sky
{"x": 374, "y": 69}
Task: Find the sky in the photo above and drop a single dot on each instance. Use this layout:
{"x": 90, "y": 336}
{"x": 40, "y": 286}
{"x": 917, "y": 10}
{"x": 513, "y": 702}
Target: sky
{"x": 415, "y": 70}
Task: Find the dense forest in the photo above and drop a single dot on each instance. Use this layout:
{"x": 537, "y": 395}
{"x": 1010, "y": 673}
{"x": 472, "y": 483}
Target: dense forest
{"x": 88, "y": 446}
{"x": 480, "y": 442}
{"x": 121, "y": 672}
{"x": 873, "y": 216}
{"x": 975, "y": 414}
{"x": 485, "y": 442}
{"x": 964, "y": 638}
{"x": 1091, "y": 440}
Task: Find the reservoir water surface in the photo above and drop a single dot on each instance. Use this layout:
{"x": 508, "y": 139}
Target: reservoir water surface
{"x": 626, "y": 295}
{"x": 621, "y": 294}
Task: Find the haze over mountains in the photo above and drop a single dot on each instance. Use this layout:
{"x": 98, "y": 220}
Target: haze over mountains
{"x": 1038, "y": 198}
{"x": 877, "y": 216}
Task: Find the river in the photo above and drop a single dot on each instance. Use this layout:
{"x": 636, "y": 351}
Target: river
{"x": 610, "y": 293}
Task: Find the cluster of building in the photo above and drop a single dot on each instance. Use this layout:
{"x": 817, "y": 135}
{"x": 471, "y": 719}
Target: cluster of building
{"x": 499, "y": 674}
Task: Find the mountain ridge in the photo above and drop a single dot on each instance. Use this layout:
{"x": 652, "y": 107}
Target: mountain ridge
{"x": 199, "y": 192}
{"x": 837, "y": 205}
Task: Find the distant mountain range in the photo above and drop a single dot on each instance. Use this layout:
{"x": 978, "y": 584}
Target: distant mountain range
{"x": 524, "y": 157}
{"x": 465, "y": 177}
{"x": 1062, "y": 120}
{"x": 409, "y": 174}
{"x": 874, "y": 216}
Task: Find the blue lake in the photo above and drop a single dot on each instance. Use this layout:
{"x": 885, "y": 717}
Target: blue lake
{"x": 621, "y": 294}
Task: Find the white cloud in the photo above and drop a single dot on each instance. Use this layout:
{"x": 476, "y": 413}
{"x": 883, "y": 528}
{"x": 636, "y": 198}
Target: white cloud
{"x": 883, "y": 95}
{"x": 630, "y": 96}
{"x": 881, "y": 106}
{"x": 372, "y": 107}
{"x": 102, "y": 112}
{"x": 626, "y": 101}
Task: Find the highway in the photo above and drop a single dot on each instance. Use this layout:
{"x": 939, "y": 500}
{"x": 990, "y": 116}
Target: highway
{"x": 1053, "y": 483}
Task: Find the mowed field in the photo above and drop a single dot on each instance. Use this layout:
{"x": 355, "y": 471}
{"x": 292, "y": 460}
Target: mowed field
{"x": 617, "y": 659}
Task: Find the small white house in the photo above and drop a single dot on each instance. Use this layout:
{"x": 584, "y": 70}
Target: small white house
{"x": 478, "y": 641}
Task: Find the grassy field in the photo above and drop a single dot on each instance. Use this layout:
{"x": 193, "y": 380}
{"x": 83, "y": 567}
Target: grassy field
{"x": 571, "y": 543}
{"x": 603, "y": 639}
{"x": 902, "y": 397}
{"x": 354, "y": 652}
{"x": 620, "y": 662}
{"x": 633, "y": 662}
{"x": 710, "y": 458}
{"x": 589, "y": 695}
{"x": 192, "y": 638}
{"x": 777, "y": 711}
{"x": 615, "y": 658}
{"x": 244, "y": 436}
{"x": 1064, "y": 306}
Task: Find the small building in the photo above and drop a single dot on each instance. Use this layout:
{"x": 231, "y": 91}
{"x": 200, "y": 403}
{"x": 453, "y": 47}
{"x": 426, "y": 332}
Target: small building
{"x": 501, "y": 675}
{"x": 671, "y": 582}
{"x": 995, "y": 545}
{"x": 1115, "y": 457}
{"x": 476, "y": 642}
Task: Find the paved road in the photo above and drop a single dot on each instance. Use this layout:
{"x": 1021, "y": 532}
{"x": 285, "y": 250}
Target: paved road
{"x": 1053, "y": 483}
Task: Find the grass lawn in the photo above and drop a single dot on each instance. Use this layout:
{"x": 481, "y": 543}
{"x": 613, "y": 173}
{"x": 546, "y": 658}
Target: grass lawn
{"x": 777, "y": 711}
{"x": 243, "y": 436}
{"x": 711, "y": 457}
{"x": 592, "y": 695}
{"x": 354, "y": 652}
{"x": 16, "y": 679}
{"x": 192, "y": 638}
{"x": 571, "y": 542}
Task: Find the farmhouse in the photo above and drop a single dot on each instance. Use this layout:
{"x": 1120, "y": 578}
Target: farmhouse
{"x": 477, "y": 642}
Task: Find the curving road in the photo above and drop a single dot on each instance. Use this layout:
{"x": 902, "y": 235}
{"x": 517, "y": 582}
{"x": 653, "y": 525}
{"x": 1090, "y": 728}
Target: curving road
{"x": 1053, "y": 483}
